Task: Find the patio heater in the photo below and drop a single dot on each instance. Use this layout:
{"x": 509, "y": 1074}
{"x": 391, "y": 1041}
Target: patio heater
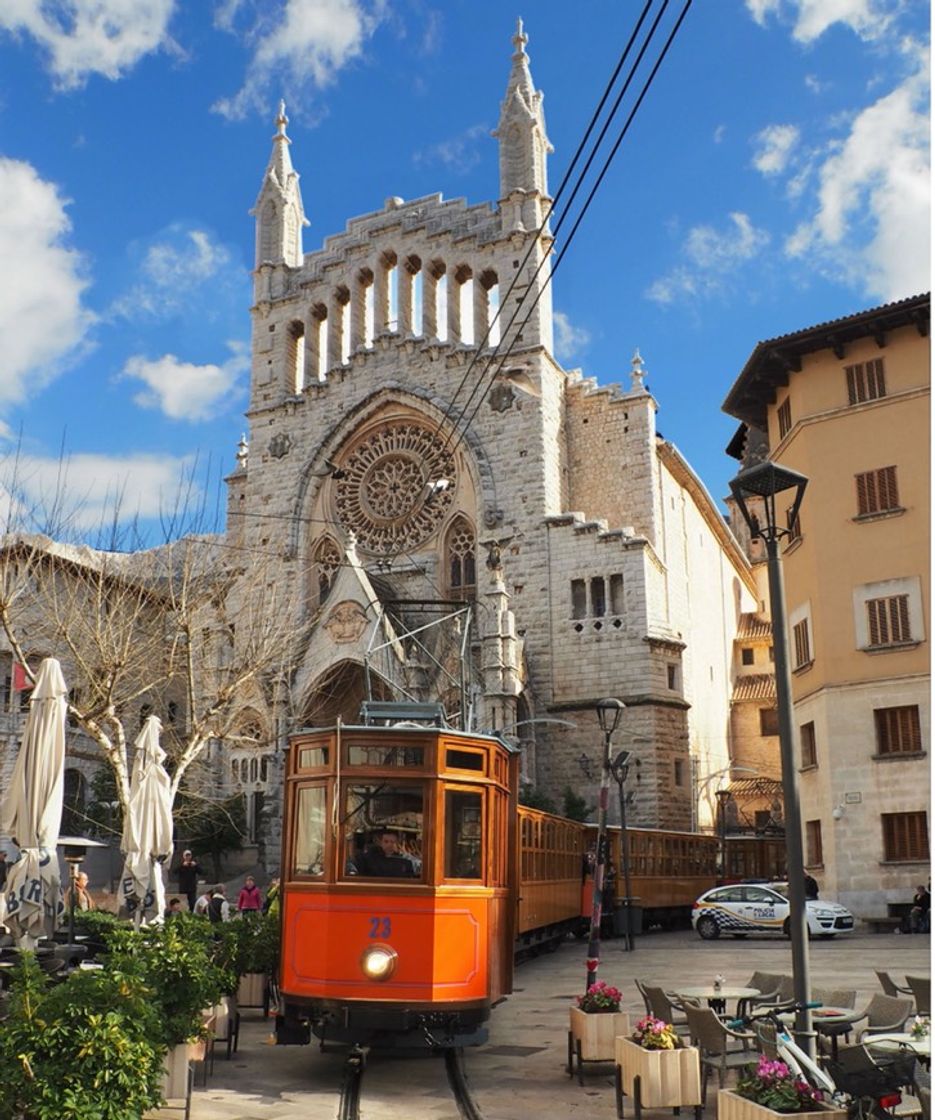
{"x": 608, "y": 716}
{"x": 762, "y": 485}
{"x": 74, "y": 850}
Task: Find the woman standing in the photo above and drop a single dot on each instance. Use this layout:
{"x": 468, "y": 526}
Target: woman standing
{"x": 249, "y": 900}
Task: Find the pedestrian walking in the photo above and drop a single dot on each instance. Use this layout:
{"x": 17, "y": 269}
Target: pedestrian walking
{"x": 921, "y": 910}
{"x": 219, "y": 908}
{"x": 271, "y": 905}
{"x": 203, "y": 902}
{"x": 811, "y": 888}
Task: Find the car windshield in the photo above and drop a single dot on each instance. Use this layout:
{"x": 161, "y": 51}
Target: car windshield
{"x": 780, "y": 888}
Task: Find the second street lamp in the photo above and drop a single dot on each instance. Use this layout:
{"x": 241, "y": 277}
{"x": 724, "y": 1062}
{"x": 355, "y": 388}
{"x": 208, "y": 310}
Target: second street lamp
{"x": 620, "y": 768}
{"x": 608, "y": 716}
{"x": 761, "y": 486}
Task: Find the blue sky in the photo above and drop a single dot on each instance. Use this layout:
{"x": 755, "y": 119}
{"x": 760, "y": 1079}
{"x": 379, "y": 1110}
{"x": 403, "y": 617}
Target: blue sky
{"x": 777, "y": 175}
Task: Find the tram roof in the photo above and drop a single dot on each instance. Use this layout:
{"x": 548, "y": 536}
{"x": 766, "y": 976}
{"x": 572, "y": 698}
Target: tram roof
{"x": 410, "y": 728}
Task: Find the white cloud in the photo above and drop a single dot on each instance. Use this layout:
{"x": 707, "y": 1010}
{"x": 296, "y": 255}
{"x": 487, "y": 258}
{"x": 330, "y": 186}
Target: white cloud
{"x": 711, "y": 257}
{"x": 459, "y": 153}
{"x": 83, "y": 37}
{"x": 182, "y": 390}
{"x": 92, "y": 490}
{"x": 719, "y": 133}
{"x": 42, "y": 319}
{"x": 174, "y": 267}
{"x": 774, "y": 148}
{"x": 297, "y": 45}
{"x": 869, "y": 19}
{"x": 569, "y": 339}
{"x": 872, "y": 216}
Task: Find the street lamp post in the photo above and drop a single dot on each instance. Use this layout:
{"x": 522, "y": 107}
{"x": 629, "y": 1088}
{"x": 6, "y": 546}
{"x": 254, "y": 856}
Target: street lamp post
{"x": 608, "y": 716}
{"x": 764, "y": 483}
{"x": 620, "y": 768}
{"x": 723, "y": 796}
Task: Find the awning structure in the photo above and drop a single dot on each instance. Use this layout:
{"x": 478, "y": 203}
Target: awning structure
{"x": 755, "y": 805}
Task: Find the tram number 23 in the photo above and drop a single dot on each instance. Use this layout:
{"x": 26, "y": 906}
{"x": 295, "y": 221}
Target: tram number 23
{"x": 380, "y": 927}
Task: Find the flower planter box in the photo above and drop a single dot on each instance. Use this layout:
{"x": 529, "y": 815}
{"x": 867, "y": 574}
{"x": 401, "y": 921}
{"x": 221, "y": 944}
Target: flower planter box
{"x": 657, "y": 1078}
{"x": 250, "y": 991}
{"x": 176, "y": 1073}
{"x": 731, "y": 1106}
{"x": 591, "y": 1036}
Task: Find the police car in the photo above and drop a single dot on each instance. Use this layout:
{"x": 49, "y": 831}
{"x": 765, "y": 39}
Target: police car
{"x": 744, "y": 908}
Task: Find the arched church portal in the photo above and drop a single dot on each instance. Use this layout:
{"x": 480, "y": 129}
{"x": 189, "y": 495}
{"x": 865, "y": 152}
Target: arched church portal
{"x": 340, "y": 692}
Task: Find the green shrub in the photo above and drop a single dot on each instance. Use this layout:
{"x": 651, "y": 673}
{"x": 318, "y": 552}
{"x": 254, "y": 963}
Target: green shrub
{"x": 84, "y": 1049}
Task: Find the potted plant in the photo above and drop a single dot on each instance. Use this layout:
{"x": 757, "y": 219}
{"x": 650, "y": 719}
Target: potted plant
{"x": 769, "y": 1088}
{"x": 82, "y": 1049}
{"x": 595, "y": 1021}
{"x": 258, "y": 959}
{"x": 656, "y": 1068}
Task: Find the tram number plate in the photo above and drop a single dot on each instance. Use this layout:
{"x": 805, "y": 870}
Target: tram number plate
{"x": 380, "y": 927}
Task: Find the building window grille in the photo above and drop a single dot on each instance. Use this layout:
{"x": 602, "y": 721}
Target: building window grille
{"x": 889, "y": 620}
{"x": 865, "y": 381}
{"x": 905, "y": 837}
{"x": 898, "y": 730}
{"x": 747, "y": 655}
{"x": 784, "y": 418}
{"x": 769, "y": 721}
{"x": 462, "y": 564}
{"x": 802, "y": 643}
{"x": 809, "y": 748}
{"x": 877, "y": 491}
{"x": 813, "y": 852}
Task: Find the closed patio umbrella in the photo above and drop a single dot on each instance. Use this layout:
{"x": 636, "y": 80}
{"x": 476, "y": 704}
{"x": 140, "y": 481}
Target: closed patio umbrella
{"x": 147, "y": 827}
{"x": 31, "y": 811}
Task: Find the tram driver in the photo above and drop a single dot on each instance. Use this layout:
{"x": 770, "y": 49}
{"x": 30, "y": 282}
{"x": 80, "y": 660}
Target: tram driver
{"x": 384, "y": 859}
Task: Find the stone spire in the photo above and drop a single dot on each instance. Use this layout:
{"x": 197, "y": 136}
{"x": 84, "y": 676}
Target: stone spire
{"x": 278, "y": 210}
{"x": 524, "y": 145}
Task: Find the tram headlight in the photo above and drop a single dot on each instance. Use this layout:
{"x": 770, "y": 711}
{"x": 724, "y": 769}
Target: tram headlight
{"x": 378, "y": 962}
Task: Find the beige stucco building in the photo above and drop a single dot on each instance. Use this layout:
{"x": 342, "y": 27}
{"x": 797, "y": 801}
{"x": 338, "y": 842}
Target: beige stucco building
{"x": 846, "y": 403}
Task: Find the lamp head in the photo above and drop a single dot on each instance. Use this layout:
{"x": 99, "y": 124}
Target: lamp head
{"x": 608, "y": 714}
{"x": 620, "y": 767}
{"x": 766, "y": 481}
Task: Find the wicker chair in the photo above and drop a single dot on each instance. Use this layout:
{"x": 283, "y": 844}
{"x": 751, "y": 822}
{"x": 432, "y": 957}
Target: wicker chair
{"x": 641, "y": 988}
{"x": 766, "y": 1040}
{"x": 836, "y": 997}
{"x": 713, "y": 1040}
{"x": 890, "y": 987}
{"x": 921, "y": 988}
{"x": 885, "y": 1015}
{"x": 767, "y": 984}
{"x": 662, "y": 1006}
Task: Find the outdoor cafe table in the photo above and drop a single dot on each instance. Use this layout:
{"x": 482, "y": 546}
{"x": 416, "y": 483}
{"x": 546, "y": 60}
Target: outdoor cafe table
{"x": 901, "y": 1040}
{"x": 828, "y": 1021}
{"x": 717, "y": 997}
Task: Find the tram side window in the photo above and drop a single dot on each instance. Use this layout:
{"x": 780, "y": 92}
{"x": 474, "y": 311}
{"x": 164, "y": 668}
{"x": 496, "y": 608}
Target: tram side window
{"x": 383, "y": 830}
{"x": 310, "y": 831}
{"x": 464, "y": 820}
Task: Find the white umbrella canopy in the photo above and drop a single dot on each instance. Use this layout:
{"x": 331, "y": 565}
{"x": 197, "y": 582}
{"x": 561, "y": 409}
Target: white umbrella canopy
{"x": 147, "y": 827}
{"x": 31, "y": 811}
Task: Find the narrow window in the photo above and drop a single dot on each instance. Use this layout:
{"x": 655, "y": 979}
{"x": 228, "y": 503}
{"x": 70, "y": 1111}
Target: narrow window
{"x": 598, "y": 601}
{"x": 802, "y": 643}
{"x": 877, "y": 491}
{"x": 809, "y": 750}
{"x": 327, "y": 566}
{"x": 898, "y": 730}
{"x": 905, "y": 837}
{"x": 679, "y": 772}
{"x": 672, "y": 676}
{"x": 462, "y": 578}
{"x": 889, "y": 620}
{"x": 295, "y": 358}
{"x": 579, "y": 599}
{"x": 784, "y": 418}
{"x": 616, "y": 594}
{"x": 865, "y": 381}
{"x": 747, "y": 655}
{"x": 813, "y": 852}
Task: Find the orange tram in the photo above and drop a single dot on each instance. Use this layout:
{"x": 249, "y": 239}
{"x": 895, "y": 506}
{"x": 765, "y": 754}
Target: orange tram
{"x": 411, "y": 878}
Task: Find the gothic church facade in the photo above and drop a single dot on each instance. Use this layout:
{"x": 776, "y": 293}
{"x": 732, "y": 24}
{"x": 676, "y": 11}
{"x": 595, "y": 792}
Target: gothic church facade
{"x": 595, "y": 562}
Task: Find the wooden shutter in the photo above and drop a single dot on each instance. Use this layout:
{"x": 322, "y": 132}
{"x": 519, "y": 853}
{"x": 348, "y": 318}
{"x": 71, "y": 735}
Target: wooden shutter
{"x": 905, "y": 836}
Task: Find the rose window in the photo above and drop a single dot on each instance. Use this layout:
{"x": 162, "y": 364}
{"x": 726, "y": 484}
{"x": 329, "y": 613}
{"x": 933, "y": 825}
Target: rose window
{"x": 384, "y": 494}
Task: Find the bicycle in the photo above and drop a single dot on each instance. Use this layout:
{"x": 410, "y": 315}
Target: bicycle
{"x": 868, "y": 1087}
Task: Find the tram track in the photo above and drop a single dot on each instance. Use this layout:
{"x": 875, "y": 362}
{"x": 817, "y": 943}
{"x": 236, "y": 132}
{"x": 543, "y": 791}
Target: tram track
{"x": 349, "y": 1106}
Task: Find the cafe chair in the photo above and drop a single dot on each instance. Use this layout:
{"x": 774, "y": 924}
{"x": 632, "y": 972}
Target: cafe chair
{"x": 662, "y": 1006}
{"x": 713, "y": 1039}
{"x": 890, "y": 987}
{"x": 767, "y": 984}
{"x": 884, "y": 1015}
{"x": 921, "y": 988}
{"x": 786, "y": 989}
{"x": 835, "y": 997}
{"x": 766, "y": 1040}
{"x": 641, "y": 988}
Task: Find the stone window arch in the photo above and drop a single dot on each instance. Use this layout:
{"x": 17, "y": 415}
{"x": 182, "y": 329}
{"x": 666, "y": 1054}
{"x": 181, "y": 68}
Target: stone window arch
{"x": 461, "y": 559}
{"x": 327, "y": 564}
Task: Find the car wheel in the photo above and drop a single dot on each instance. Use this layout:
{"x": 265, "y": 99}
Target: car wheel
{"x": 787, "y": 928}
{"x": 708, "y": 929}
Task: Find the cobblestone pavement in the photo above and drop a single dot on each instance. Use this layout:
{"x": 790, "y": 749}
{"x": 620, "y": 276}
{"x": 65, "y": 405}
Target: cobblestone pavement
{"x": 519, "y": 1074}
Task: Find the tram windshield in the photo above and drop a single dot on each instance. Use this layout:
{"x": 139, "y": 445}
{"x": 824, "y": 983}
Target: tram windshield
{"x": 383, "y": 830}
